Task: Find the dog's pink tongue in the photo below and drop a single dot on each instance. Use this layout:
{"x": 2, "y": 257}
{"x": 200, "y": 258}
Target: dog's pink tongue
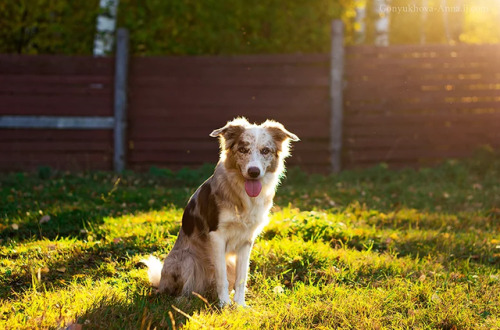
{"x": 253, "y": 187}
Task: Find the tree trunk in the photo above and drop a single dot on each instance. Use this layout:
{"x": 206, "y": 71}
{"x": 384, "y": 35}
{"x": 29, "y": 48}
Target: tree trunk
{"x": 106, "y": 26}
{"x": 360, "y": 23}
{"x": 381, "y": 22}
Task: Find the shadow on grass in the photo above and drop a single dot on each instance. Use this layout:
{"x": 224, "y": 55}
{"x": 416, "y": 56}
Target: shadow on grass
{"x": 138, "y": 307}
{"x": 141, "y": 311}
{"x": 78, "y": 201}
{"x": 63, "y": 224}
{"x": 94, "y": 262}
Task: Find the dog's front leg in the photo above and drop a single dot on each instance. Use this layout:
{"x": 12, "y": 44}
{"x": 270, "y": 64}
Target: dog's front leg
{"x": 219, "y": 259}
{"x": 242, "y": 262}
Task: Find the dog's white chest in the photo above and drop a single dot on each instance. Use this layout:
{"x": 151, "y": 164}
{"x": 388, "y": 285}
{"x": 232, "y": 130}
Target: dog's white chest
{"x": 242, "y": 228}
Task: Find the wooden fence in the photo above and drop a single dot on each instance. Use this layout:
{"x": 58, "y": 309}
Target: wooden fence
{"x": 403, "y": 105}
{"x": 55, "y": 86}
{"x": 176, "y": 102}
{"x": 415, "y": 105}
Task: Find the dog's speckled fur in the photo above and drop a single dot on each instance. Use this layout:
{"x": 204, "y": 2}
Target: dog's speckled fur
{"x": 221, "y": 221}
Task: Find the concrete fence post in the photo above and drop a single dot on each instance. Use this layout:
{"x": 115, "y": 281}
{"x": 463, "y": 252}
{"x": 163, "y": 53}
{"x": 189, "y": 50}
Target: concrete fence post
{"x": 336, "y": 94}
{"x": 120, "y": 103}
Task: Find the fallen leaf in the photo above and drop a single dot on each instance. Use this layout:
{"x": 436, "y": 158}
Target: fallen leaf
{"x": 117, "y": 240}
{"x": 278, "y": 289}
{"x": 422, "y": 278}
{"x": 61, "y": 270}
{"x": 15, "y": 226}
{"x": 477, "y": 186}
{"x": 435, "y": 298}
{"x": 44, "y": 219}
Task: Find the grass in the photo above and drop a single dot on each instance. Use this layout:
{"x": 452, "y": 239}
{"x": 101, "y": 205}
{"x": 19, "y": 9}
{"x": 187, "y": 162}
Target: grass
{"x": 370, "y": 249}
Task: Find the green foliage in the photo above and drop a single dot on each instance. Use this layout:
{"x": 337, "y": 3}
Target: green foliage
{"x": 174, "y": 27}
{"x": 181, "y": 27}
{"x": 229, "y": 27}
{"x": 368, "y": 249}
{"x": 47, "y": 26}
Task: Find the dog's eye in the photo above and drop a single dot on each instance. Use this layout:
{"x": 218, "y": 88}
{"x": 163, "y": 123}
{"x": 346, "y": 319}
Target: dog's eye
{"x": 243, "y": 150}
{"x": 265, "y": 151}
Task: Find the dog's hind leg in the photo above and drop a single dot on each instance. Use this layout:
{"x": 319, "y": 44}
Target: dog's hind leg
{"x": 172, "y": 281}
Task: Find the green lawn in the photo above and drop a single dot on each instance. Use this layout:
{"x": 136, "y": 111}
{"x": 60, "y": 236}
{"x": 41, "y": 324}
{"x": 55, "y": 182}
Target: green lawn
{"x": 364, "y": 249}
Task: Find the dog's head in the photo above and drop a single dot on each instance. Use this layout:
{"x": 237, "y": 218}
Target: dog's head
{"x": 254, "y": 151}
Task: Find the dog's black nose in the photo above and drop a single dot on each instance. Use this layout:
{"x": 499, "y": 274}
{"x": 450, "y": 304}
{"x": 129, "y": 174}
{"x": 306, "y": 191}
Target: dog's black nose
{"x": 253, "y": 172}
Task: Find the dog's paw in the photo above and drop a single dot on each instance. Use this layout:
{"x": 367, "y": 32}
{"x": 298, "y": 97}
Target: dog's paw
{"x": 240, "y": 303}
{"x": 224, "y": 303}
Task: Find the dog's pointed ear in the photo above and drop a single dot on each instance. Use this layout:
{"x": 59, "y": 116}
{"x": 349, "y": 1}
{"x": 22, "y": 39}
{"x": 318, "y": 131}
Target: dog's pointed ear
{"x": 231, "y": 132}
{"x": 279, "y": 132}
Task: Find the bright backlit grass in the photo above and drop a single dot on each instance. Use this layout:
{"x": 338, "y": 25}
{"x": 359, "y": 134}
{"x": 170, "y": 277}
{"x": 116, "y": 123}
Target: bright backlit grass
{"x": 365, "y": 249}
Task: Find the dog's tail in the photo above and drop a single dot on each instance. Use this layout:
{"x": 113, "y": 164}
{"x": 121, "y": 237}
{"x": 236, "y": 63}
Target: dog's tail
{"x": 154, "y": 270}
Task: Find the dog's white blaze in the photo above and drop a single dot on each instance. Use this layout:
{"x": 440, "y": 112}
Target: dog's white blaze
{"x": 258, "y": 138}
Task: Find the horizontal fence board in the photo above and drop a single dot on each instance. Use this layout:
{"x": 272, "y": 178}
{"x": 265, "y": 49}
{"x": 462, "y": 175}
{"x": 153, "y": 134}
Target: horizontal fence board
{"x": 438, "y": 131}
{"x": 56, "y": 105}
{"x": 208, "y": 96}
{"x": 56, "y": 146}
{"x": 220, "y": 114}
{"x": 423, "y": 108}
{"x": 368, "y": 51}
{"x": 228, "y": 60}
{"x": 76, "y": 158}
{"x": 205, "y": 115}
{"x": 56, "y": 122}
{"x": 56, "y": 65}
{"x": 393, "y": 164}
{"x": 37, "y": 135}
{"x": 397, "y": 120}
{"x": 248, "y": 79}
{"x": 353, "y": 73}
{"x": 407, "y": 154}
{"x": 422, "y": 141}
{"x": 21, "y": 84}
{"x": 407, "y": 93}
{"x": 33, "y": 90}
{"x": 442, "y": 85}
{"x": 391, "y": 62}
{"x": 195, "y": 71}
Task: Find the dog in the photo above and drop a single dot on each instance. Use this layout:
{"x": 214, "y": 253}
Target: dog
{"x": 225, "y": 214}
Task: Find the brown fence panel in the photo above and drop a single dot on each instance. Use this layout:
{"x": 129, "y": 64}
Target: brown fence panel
{"x": 403, "y": 105}
{"x": 175, "y": 102}
{"x": 414, "y": 105}
{"x": 48, "y": 85}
